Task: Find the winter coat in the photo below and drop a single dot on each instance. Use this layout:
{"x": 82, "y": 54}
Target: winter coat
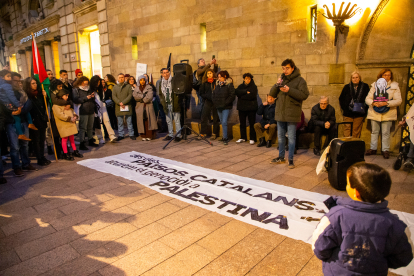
{"x": 247, "y": 102}
{"x": 38, "y": 112}
{"x": 110, "y": 85}
{"x": 268, "y": 113}
{"x": 206, "y": 91}
{"x": 122, "y": 93}
{"x": 80, "y": 96}
{"x": 176, "y": 99}
{"x": 63, "y": 121}
{"x": 361, "y": 238}
{"x": 203, "y": 69}
{"x": 320, "y": 116}
{"x": 69, "y": 89}
{"x": 144, "y": 98}
{"x": 5, "y": 116}
{"x": 394, "y": 101}
{"x": 289, "y": 105}
{"x": 7, "y": 95}
{"x": 223, "y": 96}
{"x": 60, "y": 101}
{"x": 348, "y": 93}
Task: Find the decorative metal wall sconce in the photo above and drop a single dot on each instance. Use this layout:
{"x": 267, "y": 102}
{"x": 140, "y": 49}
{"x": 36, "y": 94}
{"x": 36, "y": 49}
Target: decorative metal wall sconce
{"x": 339, "y": 18}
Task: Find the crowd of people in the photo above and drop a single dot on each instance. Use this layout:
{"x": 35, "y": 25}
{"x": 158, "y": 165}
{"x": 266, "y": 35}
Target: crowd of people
{"x": 96, "y": 110}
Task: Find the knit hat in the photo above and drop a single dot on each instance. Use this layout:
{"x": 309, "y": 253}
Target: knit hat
{"x": 61, "y": 93}
{"x": 127, "y": 76}
{"x": 77, "y": 71}
{"x": 142, "y": 77}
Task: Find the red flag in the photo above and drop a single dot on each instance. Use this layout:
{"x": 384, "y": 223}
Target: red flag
{"x": 38, "y": 67}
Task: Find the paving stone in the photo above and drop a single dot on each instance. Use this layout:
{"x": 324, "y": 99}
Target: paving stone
{"x": 186, "y": 262}
{"x": 43, "y": 262}
{"x": 101, "y": 237}
{"x": 149, "y": 202}
{"x": 151, "y": 215}
{"x": 179, "y": 203}
{"x": 8, "y": 258}
{"x": 13, "y": 216}
{"x": 84, "y": 204}
{"x": 54, "y": 203}
{"x": 183, "y": 217}
{"x": 76, "y": 218}
{"x": 226, "y": 236}
{"x": 124, "y": 200}
{"x": 312, "y": 268}
{"x": 139, "y": 261}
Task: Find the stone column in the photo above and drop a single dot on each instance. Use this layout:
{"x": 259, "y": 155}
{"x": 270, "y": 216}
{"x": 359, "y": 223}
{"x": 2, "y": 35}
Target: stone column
{"x": 104, "y": 37}
{"x": 49, "y": 64}
{"x": 29, "y": 60}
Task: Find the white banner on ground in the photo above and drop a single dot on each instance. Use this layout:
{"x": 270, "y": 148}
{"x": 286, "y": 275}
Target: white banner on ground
{"x": 284, "y": 210}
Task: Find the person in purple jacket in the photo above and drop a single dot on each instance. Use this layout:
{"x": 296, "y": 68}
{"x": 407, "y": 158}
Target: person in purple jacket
{"x": 359, "y": 235}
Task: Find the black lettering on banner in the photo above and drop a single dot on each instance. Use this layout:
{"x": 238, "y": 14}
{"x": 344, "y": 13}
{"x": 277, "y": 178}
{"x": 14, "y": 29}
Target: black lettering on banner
{"x": 283, "y": 223}
{"x": 267, "y": 196}
{"x": 255, "y": 214}
{"x": 247, "y": 191}
{"x": 237, "y": 188}
{"x": 237, "y": 209}
{"x": 225, "y": 183}
{"x": 226, "y": 203}
{"x": 209, "y": 200}
{"x": 160, "y": 183}
{"x": 305, "y": 204}
{"x": 171, "y": 189}
{"x": 195, "y": 195}
{"x": 203, "y": 179}
{"x": 194, "y": 186}
{"x": 285, "y": 201}
{"x": 180, "y": 192}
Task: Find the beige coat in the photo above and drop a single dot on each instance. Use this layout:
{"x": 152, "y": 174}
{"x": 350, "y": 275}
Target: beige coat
{"x": 63, "y": 121}
{"x": 394, "y": 97}
{"x": 145, "y": 98}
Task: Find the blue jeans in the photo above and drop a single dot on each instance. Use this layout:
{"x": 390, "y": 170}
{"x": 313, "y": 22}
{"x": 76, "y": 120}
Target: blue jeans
{"x": 170, "y": 116}
{"x": 290, "y": 128}
{"x": 121, "y": 125}
{"x": 18, "y": 148}
{"x": 224, "y": 116}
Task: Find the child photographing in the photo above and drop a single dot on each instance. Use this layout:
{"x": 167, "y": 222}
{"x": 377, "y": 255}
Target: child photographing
{"x": 359, "y": 235}
{"x": 65, "y": 119}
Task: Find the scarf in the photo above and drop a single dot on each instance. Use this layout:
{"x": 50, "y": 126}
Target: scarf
{"x": 166, "y": 89}
{"x": 34, "y": 93}
{"x": 210, "y": 80}
{"x": 357, "y": 92}
{"x": 84, "y": 88}
{"x": 221, "y": 83}
{"x": 65, "y": 81}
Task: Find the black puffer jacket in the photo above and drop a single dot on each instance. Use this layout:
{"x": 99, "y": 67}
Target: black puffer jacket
{"x": 223, "y": 96}
{"x": 81, "y": 97}
{"x": 206, "y": 91}
{"x": 268, "y": 113}
{"x": 247, "y": 102}
{"x": 348, "y": 93}
{"x": 320, "y": 116}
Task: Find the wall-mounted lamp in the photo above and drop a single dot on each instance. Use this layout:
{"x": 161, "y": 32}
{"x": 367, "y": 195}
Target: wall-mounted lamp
{"x": 339, "y": 18}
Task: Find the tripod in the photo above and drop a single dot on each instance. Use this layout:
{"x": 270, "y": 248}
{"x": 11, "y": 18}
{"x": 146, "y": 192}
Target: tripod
{"x": 184, "y": 129}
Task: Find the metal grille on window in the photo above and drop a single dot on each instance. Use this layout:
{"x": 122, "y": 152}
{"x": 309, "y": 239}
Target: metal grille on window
{"x": 409, "y": 101}
{"x": 314, "y": 23}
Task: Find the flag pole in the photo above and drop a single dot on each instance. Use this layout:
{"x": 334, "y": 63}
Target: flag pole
{"x": 47, "y": 112}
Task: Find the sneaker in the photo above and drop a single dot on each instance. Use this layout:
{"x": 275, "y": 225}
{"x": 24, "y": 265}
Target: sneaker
{"x": 278, "y": 160}
{"x": 24, "y": 138}
{"x": 240, "y": 141}
{"x": 148, "y": 139}
{"x": 143, "y": 139}
{"x": 252, "y": 142}
{"x": 115, "y": 140}
{"x": 177, "y": 139}
{"x": 18, "y": 172}
{"x": 32, "y": 126}
{"x": 167, "y": 138}
{"x": 133, "y": 138}
{"x": 225, "y": 142}
{"x": 409, "y": 164}
{"x": 3, "y": 180}
{"x": 291, "y": 165}
{"x": 120, "y": 138}
{"x": 29, "y": 168}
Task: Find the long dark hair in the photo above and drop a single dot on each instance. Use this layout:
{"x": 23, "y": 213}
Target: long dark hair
{"x": 27, "y": 87}
{"x": 96, "y": 86}
{"x": 79, "y": 81}
{"x": 111, "y": 78}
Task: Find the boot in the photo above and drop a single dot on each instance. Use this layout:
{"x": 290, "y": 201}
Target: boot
{"x": 76, "y": 153}
{"x": 92, "y": 143}
{"x": 24, "y": 137}
{"x": 68, "y": 156}
{"x": 262, "y": 142}
{"x": 83, "y": 146}
{"x": 269, "y": 144}
{"x": 32, "y": 126}
{"x": 49, "y": 150}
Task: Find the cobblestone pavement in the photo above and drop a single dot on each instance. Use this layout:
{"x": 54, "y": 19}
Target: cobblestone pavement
{"x": 66, "y": 219}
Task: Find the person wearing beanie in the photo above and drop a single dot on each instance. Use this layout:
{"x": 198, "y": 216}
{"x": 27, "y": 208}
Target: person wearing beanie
{"x": 65, "y": 119}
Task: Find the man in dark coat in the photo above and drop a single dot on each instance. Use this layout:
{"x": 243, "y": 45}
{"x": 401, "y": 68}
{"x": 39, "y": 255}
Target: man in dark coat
{"x": 267, "y": 123}
{"x": 5, "y": 118}
{"x": 122, "y": 96}
{"x": 290, "y": 91}
{"x": 322, "y": 122}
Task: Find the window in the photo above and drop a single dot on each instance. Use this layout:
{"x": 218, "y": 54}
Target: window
{"x": 134, "y": 48}
{"x": 203, "y": 37}
{"x": 314, "y": 23}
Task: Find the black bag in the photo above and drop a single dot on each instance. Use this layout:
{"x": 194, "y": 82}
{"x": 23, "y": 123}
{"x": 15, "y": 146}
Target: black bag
{"x": 97, "y": 123}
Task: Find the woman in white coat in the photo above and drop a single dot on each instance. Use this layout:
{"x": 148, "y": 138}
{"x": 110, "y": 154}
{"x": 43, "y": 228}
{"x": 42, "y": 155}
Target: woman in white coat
{"x": 96, "y": 85}
{"x": 383, "y": 105}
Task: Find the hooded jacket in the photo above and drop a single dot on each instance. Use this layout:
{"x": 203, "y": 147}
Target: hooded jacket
{"x": 289, "y": 105}
{"x": 247, "y": 102}
{"x": 7, "y": 95}
{"x": 361, "y": 238}
{"x": 223, "y": 96}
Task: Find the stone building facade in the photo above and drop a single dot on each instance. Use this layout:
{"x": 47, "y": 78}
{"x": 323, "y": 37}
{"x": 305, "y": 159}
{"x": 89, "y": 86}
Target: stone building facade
{"x": 245, "y": 36}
